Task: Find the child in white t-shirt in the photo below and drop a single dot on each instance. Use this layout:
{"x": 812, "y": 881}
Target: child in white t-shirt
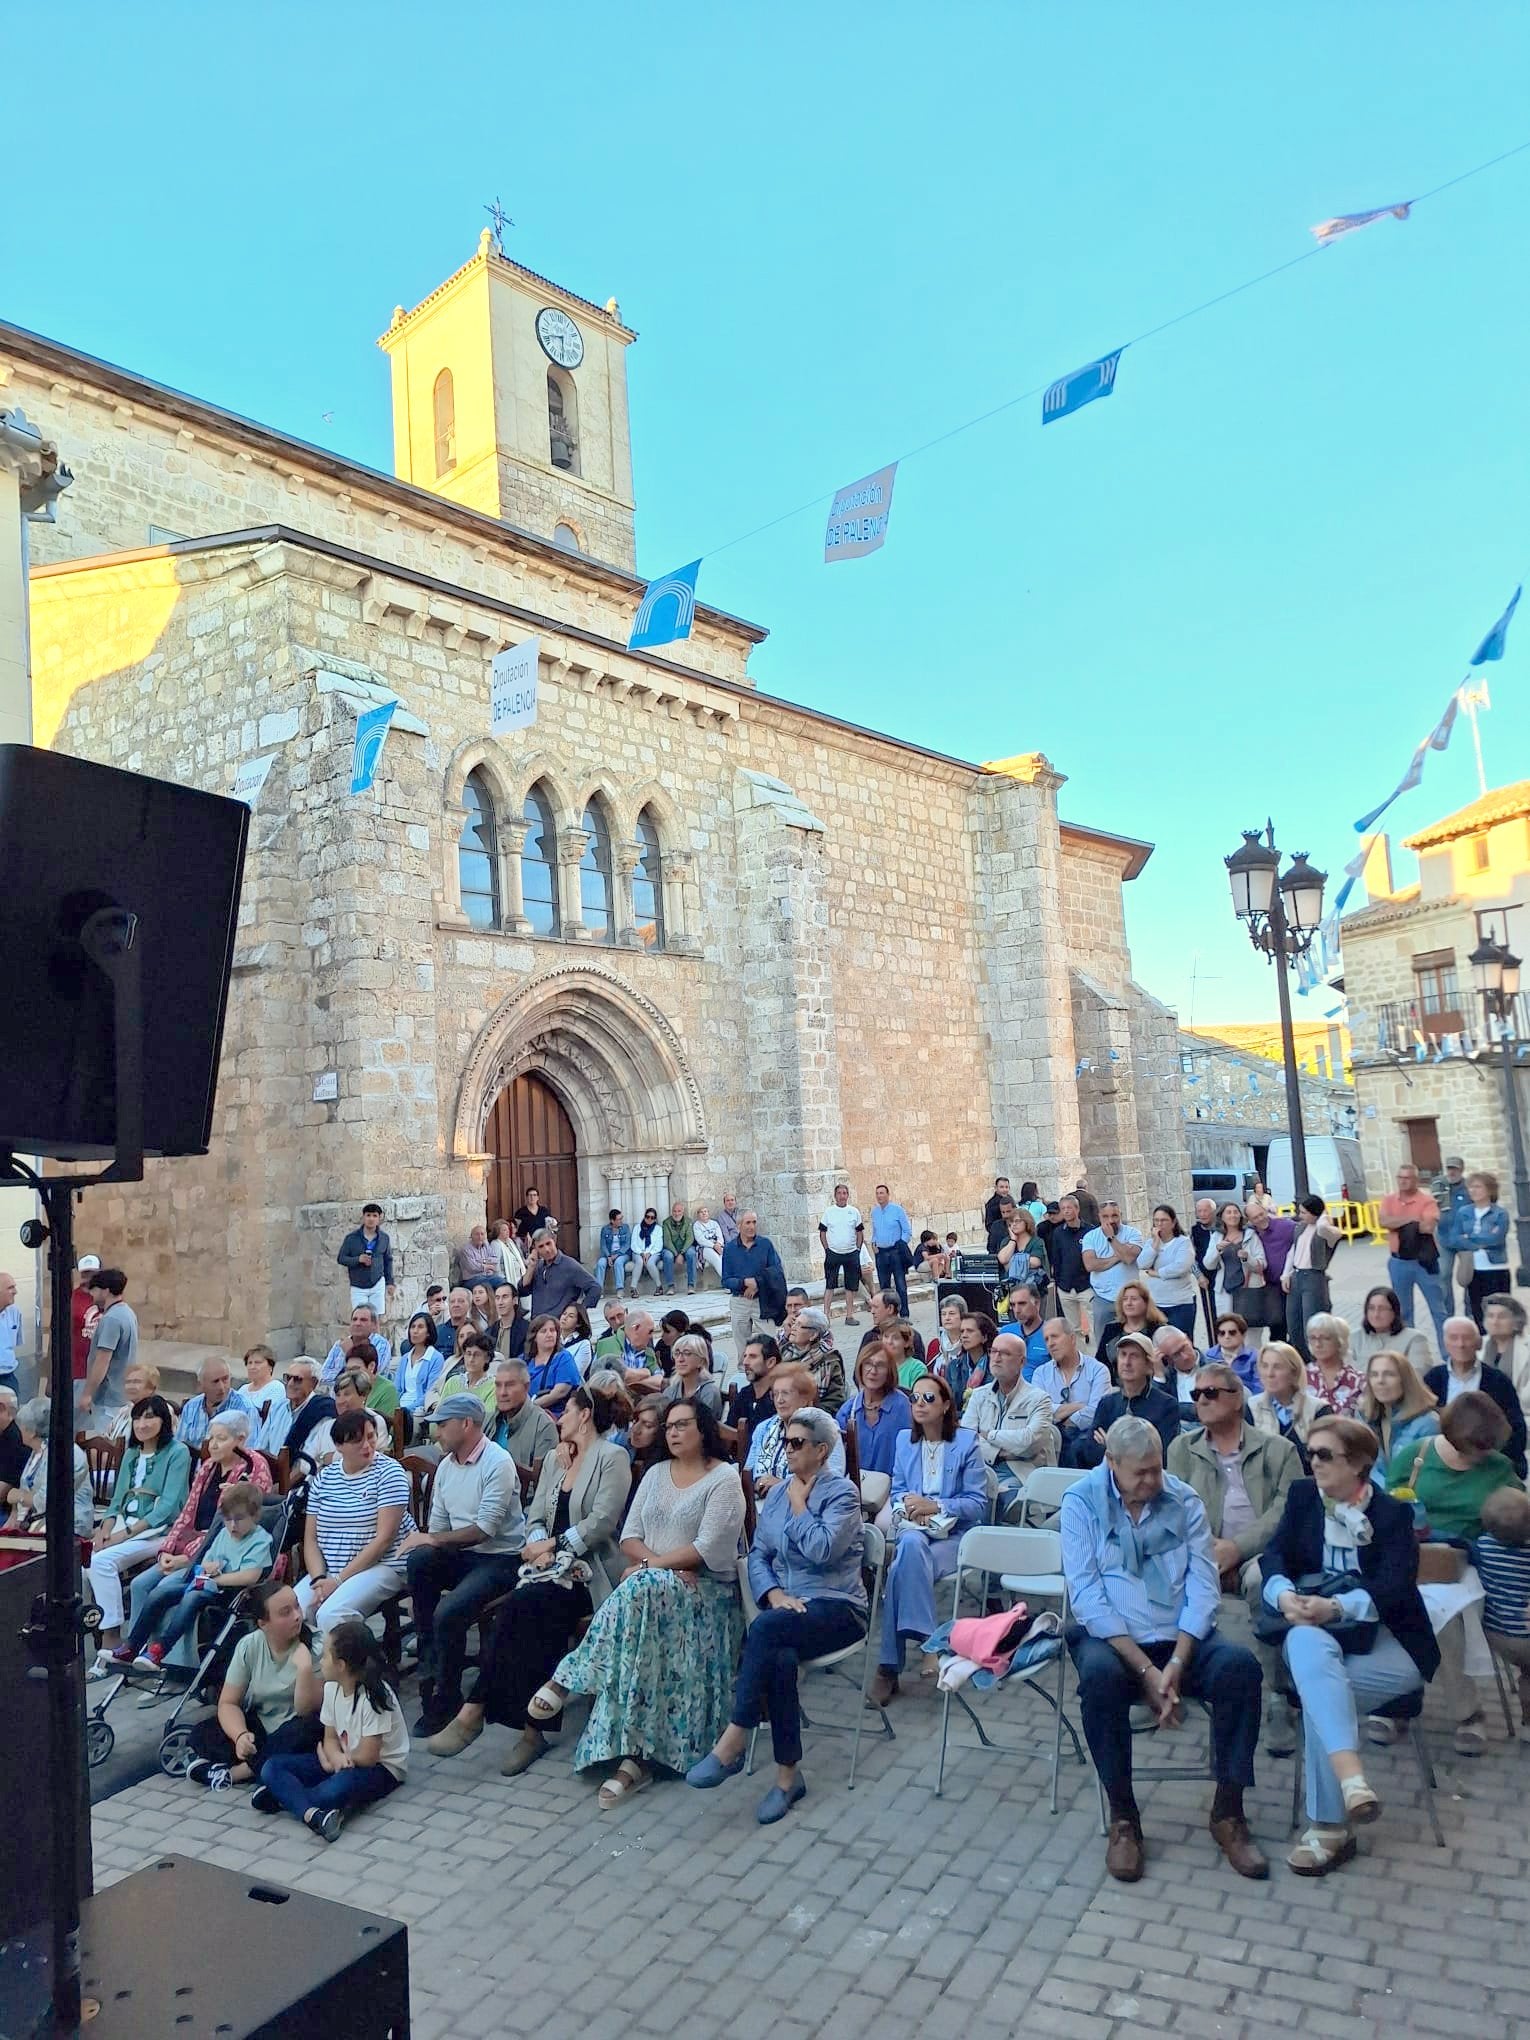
{"x": 365, "y": 1750}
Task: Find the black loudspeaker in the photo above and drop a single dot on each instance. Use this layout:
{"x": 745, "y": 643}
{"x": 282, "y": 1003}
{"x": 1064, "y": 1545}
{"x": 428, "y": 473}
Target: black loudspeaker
{"x": 120, "y": 895}
{"x": 183, "y": 1948}
{"x": 971, "y": 1295}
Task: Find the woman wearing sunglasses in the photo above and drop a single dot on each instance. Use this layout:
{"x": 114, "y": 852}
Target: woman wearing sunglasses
{"x": 939, "y": 1490}
{"x": 1342, "y": 1522}
{"x": 805, "y": 1573}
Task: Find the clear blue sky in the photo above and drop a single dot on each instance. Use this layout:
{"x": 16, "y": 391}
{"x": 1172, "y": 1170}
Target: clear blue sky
{"x": 1246, "y": 583}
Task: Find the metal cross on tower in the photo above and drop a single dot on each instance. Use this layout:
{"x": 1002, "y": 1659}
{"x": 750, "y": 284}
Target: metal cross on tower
{"x": 499, "y": 219}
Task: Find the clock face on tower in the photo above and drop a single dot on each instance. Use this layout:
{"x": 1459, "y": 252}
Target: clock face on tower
{"x": 560, "y": 337}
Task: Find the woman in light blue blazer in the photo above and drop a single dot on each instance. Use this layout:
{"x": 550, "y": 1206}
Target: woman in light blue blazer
{"x": 937, "y": 1476}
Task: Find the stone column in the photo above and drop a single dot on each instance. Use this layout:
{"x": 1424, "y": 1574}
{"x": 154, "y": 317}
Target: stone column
{"x": 511, "y": 838}
{"x": 1023, "y": 958}
{"x": 572, "y": 844}
{"x": 624, "y": 862}
{"x": 792, "y": 1074}
{"x": 682, "y": 902}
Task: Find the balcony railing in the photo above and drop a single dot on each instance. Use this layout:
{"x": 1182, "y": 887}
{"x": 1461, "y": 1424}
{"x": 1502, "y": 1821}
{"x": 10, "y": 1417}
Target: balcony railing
{"x": 1423, "y": 1033}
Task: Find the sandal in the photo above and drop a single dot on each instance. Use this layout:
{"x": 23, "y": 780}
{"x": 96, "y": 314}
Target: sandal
{"x": 1320, "y": 1850}
{"x": 1360, "y": 1802}
{"x": 547, "y": 1702}
{"x": 631, "y": 1776}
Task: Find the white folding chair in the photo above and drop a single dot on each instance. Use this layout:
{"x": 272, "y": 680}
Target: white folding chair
{"x": 874, "y": 1561}
{"x": 1029, "y": 1564}
{"x": 1042, "y": 1490}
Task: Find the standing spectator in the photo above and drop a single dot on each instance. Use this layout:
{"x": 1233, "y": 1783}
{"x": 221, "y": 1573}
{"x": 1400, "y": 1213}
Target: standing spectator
{"x": 1142, "y": 1583}
{"x": 810, "y": 1343}
{"x": 1276, "y": 1237}
{"x": 1481, "y": 1227}
{"x": 366, "y": 1255}
{"x": 512, "y": 1263}
{"x": 1451, "y": 1194}
{"x": 998, "y": 1231}
{"x": 1305, "y": 1279}
{"x": 708, "y": 1235}
{"x": 1200, "y": 1239}
{"x": 363, "y": 1325}
{"x": 615, "y": 1250}
{"x": 1412, "y": 1219}
{"x": 114, "y": 1344}
{"x": 840, "y": 1232}
{"x": 1463, "y": 1371}
{"x": 478, "y": 1261}
{"x": 1012, "y": 1419}
{"x": 1089, "y": 1211}
{"x": 10, "y": 1330}
{"x": 728, "y": 1218}
{"x": 532, "y": 1215}
{"x": 1065, "y": 1250}
{"x": 679, "y": 1245}
{"x": 1111, "y": 1251}
{"x": 996, "y": 1203}
{"x": 754, "y": 1279}
{"x": 647, "y": 1252}
{"x": 217, "y": 1395}
{"x": 1235, "y": 1257}
{"x": 516, "y": 1423}
{"x": 556, "y": 1279}
{"x": 83, "y": 1313}
{"x": 939, "y": 1490}
{"x": 891, "y": 1237}
{"x": 1168, "y": 1261}
{"x": 1074, "y": 1386}
{"x": 466, "y": 1557}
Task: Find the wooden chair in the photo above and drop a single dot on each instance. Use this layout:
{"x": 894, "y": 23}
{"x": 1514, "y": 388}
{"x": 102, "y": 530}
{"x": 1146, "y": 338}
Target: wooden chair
{"x": 422, "y": 1478}
{"x": 741, "y": 1440}
{"x": 398, "y": 1423}
{"x": 852, "y": 1454}
{"x": 529, "y": 1478}
{"x": 104, "y": 1458}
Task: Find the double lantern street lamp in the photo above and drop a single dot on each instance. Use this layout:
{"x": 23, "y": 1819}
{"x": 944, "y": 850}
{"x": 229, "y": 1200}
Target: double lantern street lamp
{"x": 1495, "y": 973}
{"x": 1282, "y": 915}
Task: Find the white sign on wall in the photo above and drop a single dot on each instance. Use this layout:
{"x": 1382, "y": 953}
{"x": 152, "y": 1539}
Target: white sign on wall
{"x": 326, "y": 1087}
{"x": 251, "y": 776}
{"x": 513, "y": 687}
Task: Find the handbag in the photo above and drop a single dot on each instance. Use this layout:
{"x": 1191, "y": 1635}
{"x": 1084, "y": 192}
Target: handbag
{"x": 1355, "y": 1639}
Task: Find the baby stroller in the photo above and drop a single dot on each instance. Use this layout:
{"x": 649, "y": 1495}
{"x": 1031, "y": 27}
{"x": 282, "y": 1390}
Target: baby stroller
{"x": 219, "y": 1629}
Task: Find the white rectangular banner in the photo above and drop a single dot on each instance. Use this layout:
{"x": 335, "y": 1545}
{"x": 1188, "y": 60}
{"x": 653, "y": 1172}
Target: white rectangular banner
{"x": 513, "y": 687}
{"x": 858, "y": 516}
{"x": 251, "y": 777}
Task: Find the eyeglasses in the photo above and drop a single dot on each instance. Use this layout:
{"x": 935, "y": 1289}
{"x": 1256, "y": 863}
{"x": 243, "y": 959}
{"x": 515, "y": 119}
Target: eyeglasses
{"x": 1320, "y": 1455}
{"x": 924, "y": 1395}
{"x": 1211, "y": 1394}
{"x": 798, "y": 1444}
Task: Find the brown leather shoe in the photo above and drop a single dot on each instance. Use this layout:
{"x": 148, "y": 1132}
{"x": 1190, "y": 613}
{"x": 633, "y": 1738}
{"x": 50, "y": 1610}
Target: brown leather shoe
{"x": 1123, "y": 1851}
{"x": 1237, "y": 1845}
{"x": 882, "y": 1687}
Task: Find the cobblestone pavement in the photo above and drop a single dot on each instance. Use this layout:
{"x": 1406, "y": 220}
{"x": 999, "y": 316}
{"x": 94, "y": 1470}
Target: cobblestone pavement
{"x": 887, "y": 1909}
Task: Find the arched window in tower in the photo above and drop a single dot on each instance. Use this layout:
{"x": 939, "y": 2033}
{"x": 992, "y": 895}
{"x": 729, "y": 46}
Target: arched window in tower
{"x": 595, "y": 886}
{"x": 647, "y": 884}
{"x": 443, "y": 400}
{"x": 539, "y": 865}
{"x": 562, "y": 423}
{"x": 477, "y": 863}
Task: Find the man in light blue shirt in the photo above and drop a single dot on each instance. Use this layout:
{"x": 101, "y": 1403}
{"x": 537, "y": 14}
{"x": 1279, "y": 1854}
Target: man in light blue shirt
{"x": 891, "y": 1238}
{"x": 1110, "y": 1255}
{"x": 218, "y": 1396}
{"x": 1075, "y": 1383}
{"x": 1143, "y": 1595}
{"x": 10, "y": 1330}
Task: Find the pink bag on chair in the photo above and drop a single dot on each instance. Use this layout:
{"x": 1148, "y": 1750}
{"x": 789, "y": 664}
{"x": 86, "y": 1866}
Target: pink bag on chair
{"x": 990, "y": 1641}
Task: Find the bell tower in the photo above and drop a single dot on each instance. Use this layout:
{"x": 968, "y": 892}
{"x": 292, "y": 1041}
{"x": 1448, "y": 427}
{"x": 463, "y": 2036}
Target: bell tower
{"x": 510, "y": 396}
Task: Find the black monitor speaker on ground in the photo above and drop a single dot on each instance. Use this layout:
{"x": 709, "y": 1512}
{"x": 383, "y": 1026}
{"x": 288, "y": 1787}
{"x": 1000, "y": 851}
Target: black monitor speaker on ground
{"x": 118, "y": 902}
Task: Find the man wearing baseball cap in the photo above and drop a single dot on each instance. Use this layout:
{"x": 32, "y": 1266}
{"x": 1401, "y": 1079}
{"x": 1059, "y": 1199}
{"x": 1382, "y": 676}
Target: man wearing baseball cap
{"x": 83, "y": 1312}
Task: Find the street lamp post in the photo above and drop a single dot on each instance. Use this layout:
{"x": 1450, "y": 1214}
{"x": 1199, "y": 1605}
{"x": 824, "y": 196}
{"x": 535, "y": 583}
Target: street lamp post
{"x": 1495, "y": 972}
{"x": 1282, "y": 916}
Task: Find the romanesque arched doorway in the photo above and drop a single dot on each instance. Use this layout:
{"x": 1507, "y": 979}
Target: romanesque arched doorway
{"x": 531, "y": 1139}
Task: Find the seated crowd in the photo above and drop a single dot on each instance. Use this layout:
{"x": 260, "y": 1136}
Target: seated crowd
{"x": 582, "y": 1503}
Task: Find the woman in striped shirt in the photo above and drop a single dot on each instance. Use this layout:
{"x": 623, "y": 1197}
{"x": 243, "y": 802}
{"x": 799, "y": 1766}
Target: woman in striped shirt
{"x": 358, "y": 1516}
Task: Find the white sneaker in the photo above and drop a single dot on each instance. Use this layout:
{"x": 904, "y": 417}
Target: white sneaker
{"x": 105, "y": 1666}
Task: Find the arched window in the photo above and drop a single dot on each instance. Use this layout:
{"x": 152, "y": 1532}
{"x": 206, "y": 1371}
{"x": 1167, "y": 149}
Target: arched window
{"x": 477, "y": 865}
{"x": 647, "y": 884}
{"x": 539, "y": 865}
{"x": 595, "y": 876}
{"x": 443, "y": 402}
{"x": 565, "y": 538}
{"x": 562, "y": 425}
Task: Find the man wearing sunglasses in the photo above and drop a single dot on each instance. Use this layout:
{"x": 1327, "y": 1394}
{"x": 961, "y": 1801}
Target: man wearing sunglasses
{"x": 1242, "y": 1476}
{"x": 1142, "y": 1585}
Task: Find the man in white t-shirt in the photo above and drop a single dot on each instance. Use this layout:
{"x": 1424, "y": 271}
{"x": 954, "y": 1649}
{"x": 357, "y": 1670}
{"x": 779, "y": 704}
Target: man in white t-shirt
{"x": 841, "y": 1231}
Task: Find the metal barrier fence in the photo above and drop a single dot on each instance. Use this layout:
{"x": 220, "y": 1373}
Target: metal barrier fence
{"x": 1355, "y": 1221}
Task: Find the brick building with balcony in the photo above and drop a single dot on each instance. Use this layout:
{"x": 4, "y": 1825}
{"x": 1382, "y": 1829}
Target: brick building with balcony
{"x": 1426, "y": 1059}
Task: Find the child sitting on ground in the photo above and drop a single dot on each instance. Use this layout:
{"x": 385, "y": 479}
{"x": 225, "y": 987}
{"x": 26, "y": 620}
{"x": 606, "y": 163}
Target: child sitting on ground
{"x": 365, "y": 1751}
{"x": 1502, "y": 1556}
{"x": 235, "y": 1555}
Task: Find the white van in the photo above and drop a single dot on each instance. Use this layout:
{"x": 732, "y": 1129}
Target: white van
{"x": 1335, "y": 1171}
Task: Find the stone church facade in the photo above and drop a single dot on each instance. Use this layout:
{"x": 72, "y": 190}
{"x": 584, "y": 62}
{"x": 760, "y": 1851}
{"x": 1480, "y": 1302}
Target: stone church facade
{"x": 678, "y": 937}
